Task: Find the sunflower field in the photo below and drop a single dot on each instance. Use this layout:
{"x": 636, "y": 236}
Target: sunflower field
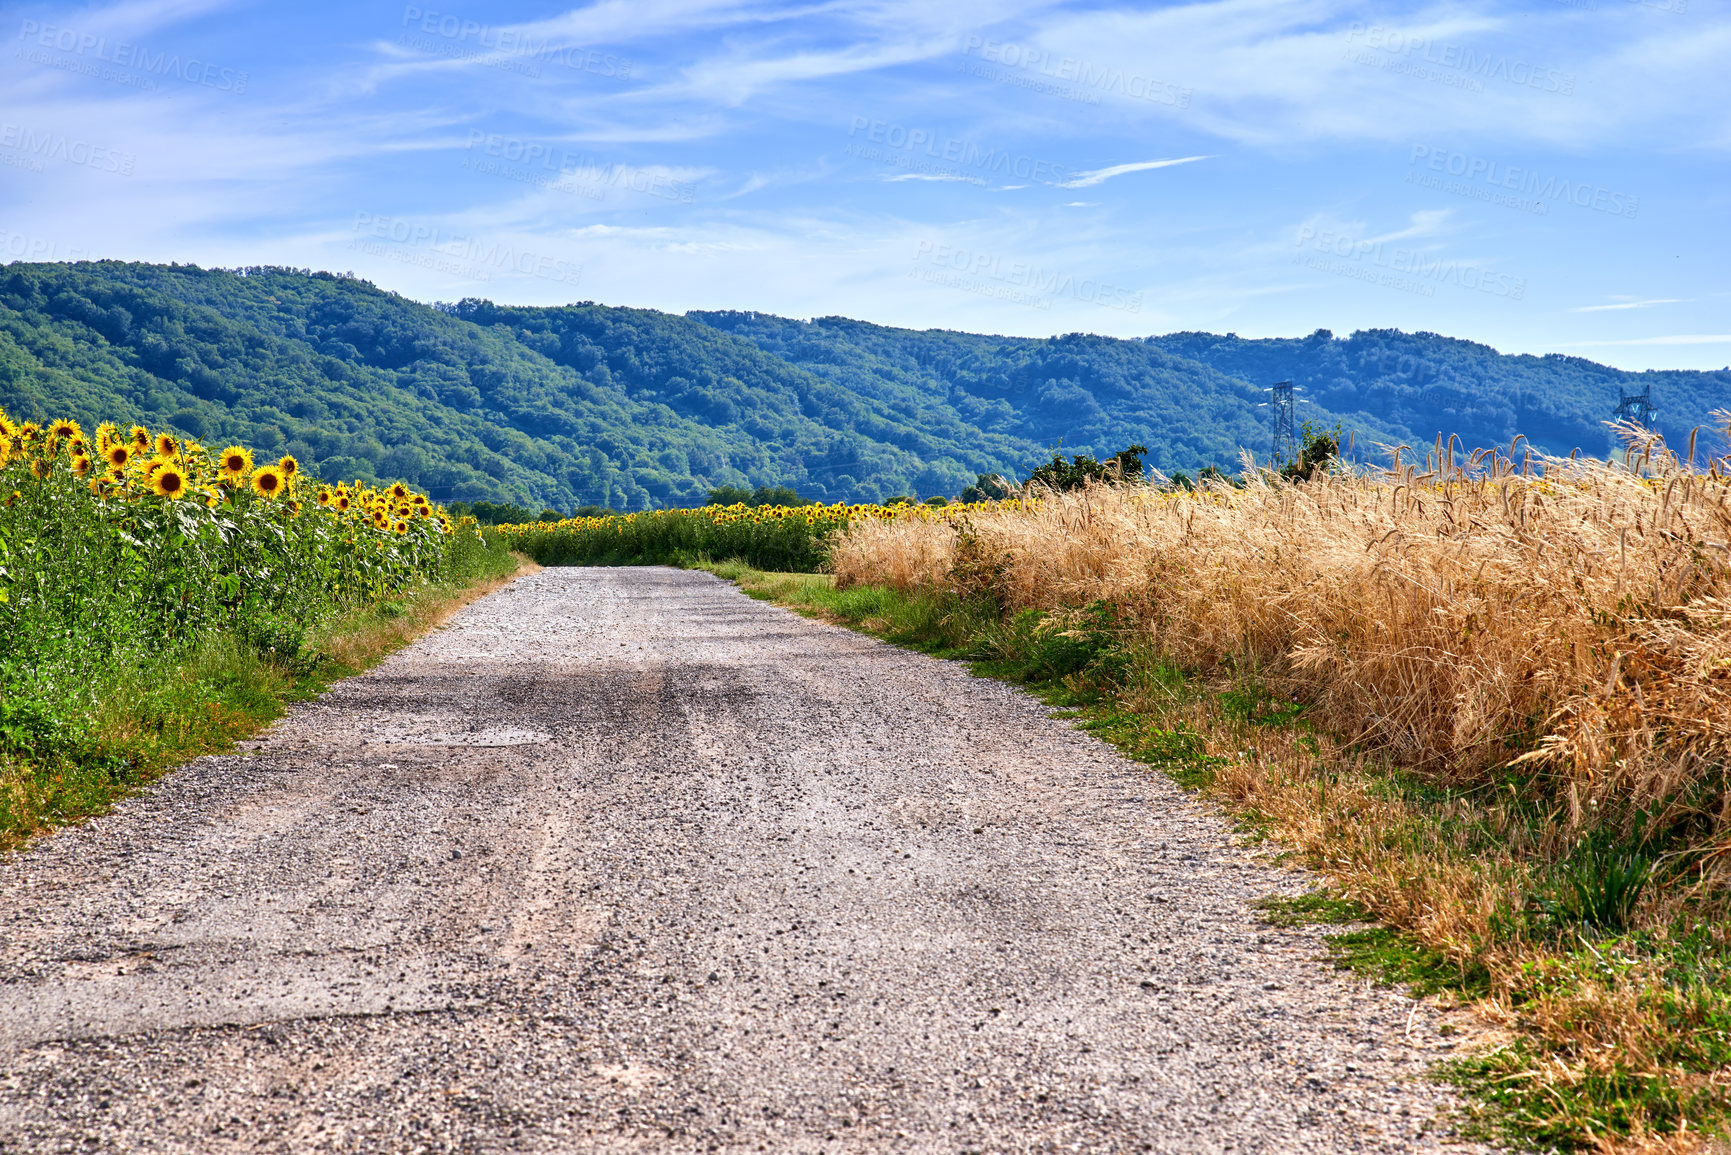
{"x": 125, "y": 553}
{"x": 784, "y": 538}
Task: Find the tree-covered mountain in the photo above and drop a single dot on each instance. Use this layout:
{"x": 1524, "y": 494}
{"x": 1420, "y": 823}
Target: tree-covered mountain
{"x": 1382, "y": 385}
{"x": 633, "y": 408}
{"x": 1422, "y": 384}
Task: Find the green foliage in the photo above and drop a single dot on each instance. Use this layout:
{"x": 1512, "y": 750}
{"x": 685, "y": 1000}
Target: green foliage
{"x": 1321, "y": 448}
{"x": 988, "y": 487}
{"x": 1598, "y": 888}
{"x": 1058, "y": 474}
{"x": 108, "y": 602}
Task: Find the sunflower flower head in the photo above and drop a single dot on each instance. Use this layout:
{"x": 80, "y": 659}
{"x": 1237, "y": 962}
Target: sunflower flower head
{"x": 169, "y": 481}
{"x": 289, "y": 465}
{"x": 41, "y": 468}
{"x": 166, "y": 446}
{"x": 268, "y": 481}
{"x": 140, "y": 438}
{"x": 117, "y": 455}
{"x": 236, "y": 462}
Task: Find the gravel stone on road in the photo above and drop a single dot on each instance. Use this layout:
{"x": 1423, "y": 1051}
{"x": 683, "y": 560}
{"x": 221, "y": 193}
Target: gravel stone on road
{"x": 623, "y": 860}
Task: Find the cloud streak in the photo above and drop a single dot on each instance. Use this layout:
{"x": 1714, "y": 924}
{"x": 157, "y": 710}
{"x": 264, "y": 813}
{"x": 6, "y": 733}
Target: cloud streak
{"x": 1102, "y": 175}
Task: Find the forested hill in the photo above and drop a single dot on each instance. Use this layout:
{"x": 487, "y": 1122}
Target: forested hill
{"x": 1422, "y": 383}
{"x": 632, "y": 408}
{"x": 1385, "y": 385}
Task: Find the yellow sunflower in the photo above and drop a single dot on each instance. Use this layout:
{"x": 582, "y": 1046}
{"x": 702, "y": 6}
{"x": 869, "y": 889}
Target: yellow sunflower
{"x": 236, "y": 462}
{"x": 324, "y": 496}
{"x": 41, "y": 468}
{"x": 30, "y": 433}
{"x": 400, "y": 527}
{"x": 140, "y": 438}
{"x": 64, "y": 429}
{"x": 117, "y": 455}
{"x": 343, "y": 502}
{"x": 289, "y": 466}
{"x": 399, "y": 491}
{"x": 268, "y": 481}
{"x": 169, "y": 481}
{"x": 106, "y": 435}
{"x": 166, "y": 446}
{"x": 81, "y": 465}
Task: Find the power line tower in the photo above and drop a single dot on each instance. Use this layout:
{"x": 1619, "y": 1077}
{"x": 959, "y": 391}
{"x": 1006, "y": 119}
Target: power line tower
{"x": 1285, "y": 448}
{"x": 1636, "y": 407}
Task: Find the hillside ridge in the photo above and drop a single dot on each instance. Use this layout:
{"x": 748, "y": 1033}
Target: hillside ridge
{"x": 589, "y": 404}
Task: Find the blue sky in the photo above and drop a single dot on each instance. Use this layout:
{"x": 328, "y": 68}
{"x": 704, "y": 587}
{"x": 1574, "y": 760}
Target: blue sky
{"x": 1541, "y": 177}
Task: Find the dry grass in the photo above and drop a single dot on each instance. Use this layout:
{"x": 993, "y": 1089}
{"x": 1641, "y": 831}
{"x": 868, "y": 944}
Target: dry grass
{"x": 1499, "y": 667}
{"x": 1579, "y": 621}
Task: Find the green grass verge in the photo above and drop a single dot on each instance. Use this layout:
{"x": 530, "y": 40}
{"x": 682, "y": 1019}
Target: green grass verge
{"x": 145, "y": 721}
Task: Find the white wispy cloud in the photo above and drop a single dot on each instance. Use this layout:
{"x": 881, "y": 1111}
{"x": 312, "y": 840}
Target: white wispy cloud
{"x": 1102, "y": 175}
{"x": 1648, "y": 304}
{"x": 937, "y": 176}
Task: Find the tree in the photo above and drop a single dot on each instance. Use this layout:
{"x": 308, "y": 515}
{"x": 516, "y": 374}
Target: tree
{"x": 1321, "y": 446}
{"x": 989, "y": 487}
{"x": 1058, "y": 474}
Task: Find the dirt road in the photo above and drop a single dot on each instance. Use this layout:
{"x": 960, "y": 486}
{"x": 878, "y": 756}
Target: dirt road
{"x": 621, "y": 860}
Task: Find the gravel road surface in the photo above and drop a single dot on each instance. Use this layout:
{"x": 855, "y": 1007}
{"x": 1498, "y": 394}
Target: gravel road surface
{"x": 622, "y": 860}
